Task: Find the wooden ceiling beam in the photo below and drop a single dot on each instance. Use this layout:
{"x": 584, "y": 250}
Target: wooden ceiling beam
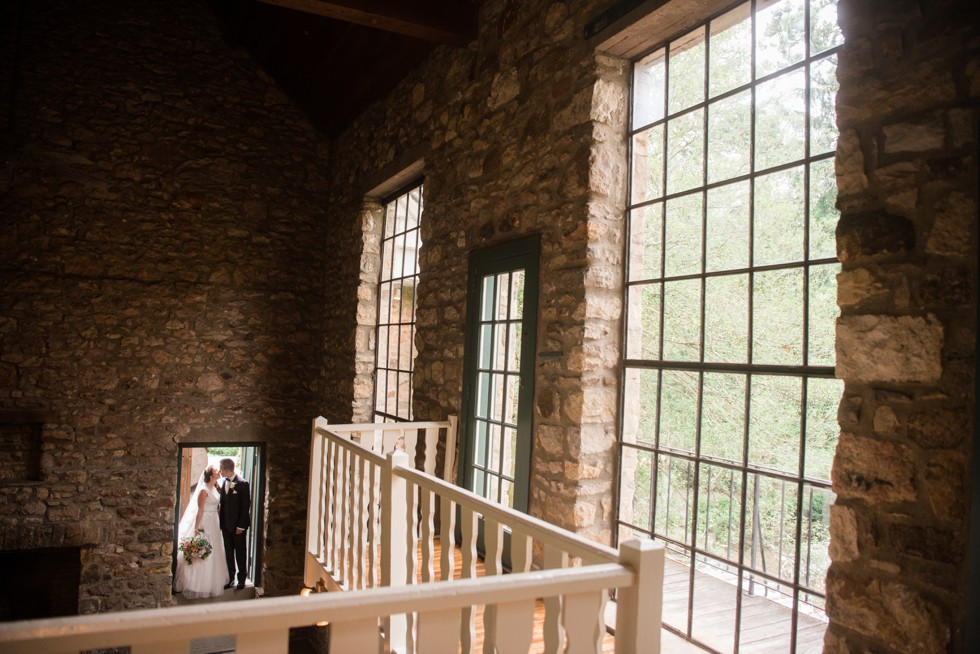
{"x": 409, "y": 18}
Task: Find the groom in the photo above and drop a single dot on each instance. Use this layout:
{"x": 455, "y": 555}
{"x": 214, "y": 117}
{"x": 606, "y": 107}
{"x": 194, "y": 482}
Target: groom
{"x": 234, "y": 512}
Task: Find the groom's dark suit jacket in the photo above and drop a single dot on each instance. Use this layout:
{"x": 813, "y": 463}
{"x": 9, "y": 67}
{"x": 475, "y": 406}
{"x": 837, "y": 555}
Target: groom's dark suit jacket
{"x": 236, "y": 505}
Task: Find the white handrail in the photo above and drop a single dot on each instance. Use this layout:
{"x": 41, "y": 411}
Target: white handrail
{"x": 536, "y": 528}
{"x": 182, "y": 624}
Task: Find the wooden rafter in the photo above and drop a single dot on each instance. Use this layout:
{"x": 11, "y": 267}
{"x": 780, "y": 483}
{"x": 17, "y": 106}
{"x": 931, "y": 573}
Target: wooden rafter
{"x": 415, "y": 19}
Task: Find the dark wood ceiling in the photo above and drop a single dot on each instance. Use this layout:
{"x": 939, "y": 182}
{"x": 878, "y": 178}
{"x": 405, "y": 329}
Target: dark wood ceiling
{"x": 334, "y": 58}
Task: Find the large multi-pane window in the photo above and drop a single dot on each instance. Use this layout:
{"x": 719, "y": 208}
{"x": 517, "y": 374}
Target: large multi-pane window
{"x": 729, "y": 397}
{"x": 398, "y": 281}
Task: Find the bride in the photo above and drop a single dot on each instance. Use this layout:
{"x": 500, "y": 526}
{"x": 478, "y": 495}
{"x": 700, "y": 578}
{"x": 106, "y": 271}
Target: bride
{"x": 202, "y": 577}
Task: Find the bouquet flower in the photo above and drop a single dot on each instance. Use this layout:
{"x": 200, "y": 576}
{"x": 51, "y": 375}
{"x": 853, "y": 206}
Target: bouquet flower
{"x": 195, "y": 547}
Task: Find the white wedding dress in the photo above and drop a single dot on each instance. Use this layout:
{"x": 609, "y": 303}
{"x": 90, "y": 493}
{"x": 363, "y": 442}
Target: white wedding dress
{"x": 205, "y": 578}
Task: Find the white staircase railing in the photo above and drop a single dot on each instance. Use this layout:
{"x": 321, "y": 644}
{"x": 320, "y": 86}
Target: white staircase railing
{"x": 373, "y": 526}
{"x": 375, "y": 521}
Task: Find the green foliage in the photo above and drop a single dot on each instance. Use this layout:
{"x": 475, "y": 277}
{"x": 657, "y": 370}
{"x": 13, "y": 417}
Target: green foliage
{"x": 230, "y": 452}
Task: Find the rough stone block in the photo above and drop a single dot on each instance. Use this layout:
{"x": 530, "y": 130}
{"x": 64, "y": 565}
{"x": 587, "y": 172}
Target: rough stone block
{"x": 888, "y": 612}
{"x": 843, "y": 534}
{"x": 942, "y": 427}
{"x": 954, "y": 221}
{"x": 873, "y": 234}
{"x": 889, "y": 349}
{"x": 875, "y": 471}
{"x": 922, "y": 135}
{"x": 945, "y": 485}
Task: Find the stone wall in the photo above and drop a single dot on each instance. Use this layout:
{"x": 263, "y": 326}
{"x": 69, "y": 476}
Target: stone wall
{"x": 162, "y": 232}
{"x": 510, "y": 130}
{"x": 906, "y": 339}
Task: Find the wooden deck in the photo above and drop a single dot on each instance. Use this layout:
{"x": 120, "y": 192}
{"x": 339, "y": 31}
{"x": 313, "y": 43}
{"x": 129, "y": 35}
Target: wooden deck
{"x": 765, "y": 623}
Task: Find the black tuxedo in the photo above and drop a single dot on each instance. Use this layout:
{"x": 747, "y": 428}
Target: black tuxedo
{"x": 235, "y": 513}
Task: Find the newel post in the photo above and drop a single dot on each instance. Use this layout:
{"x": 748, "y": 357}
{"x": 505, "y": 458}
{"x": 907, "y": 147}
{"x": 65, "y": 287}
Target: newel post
{"x": 394, "y": 546}
{"x": 639, "y": 607}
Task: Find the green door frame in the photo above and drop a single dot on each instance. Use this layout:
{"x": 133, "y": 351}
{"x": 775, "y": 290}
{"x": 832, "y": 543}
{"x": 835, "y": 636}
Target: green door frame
{"x": 523, "y": 254}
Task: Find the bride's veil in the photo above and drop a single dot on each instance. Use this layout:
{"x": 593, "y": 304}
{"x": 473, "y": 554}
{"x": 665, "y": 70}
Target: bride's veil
{"x": 187, "y": 521}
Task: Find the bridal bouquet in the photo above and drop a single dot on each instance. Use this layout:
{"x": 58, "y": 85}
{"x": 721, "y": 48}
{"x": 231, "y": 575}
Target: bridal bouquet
{"x": 195, "y": 547}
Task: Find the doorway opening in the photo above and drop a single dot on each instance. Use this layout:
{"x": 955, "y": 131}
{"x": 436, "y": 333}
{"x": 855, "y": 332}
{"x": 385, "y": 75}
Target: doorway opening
{"x": 249, "y": 461}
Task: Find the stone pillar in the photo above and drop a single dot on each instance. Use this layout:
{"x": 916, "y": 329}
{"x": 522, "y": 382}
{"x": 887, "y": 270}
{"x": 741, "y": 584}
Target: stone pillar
{"x": 906, "y": 338}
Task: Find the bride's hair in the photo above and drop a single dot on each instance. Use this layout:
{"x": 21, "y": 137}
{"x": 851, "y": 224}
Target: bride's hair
{"x": 208, "y": 474}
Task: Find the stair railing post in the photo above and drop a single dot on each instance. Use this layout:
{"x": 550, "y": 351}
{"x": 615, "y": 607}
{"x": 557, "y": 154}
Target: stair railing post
{"x": 639, "y": 608}
{"x": 394, "y": 550}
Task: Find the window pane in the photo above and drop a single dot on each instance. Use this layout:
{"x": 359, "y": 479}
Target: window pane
{"x": 822, "y": 401}
{"x": 500, "y": 346}
{"x": 488, "y": 296}
{"x": 502, "y": 301}
{"x": 729, "y": 136}
{"x": 678, "y": 410}
{"x": 823, "y": 210}
{"x": 649, "y": 75}
{"x": 823, "y": 96}
{"x": 774, "y": 423}
{"x": 777, "y": 317}
{"x": 510, "y": 412}
{"x": 483, "y": 390}
{"x": 640, "y": 406}
{"x": 516, "y": 295}
{"x": 727, "y": 245}
{"x": 683, "y": 240}
{"x": 514, "y": 350}
{"x": 493, "y": 447}
{"x": 686, "y": 84}
{"x": 779, "y": 216}
{"x": 730, "y": 63}
{"x": 723, "y": 416}
{"x": 682, "y": 320}
{"x": 824, "y": 31}
{"x": 780, "y": 35}
{"x": 685, "y": 152}
{"x": 643, "y": 338}
{"x": 509, "y": 451}
{"x": 497, "y": 398}
{"x": 486, "y": 346}
{"x": 636, "y": 467}
{"x": 645, "y": 242}
{"x": 815, "y": 537}
{"x": 780, "y": 120}
{"x": 648, "y": 165}
{"x": 726, "y": 319}
{"x": 674, "y": 485}
{"x": 719, "y": 510}
{"x": 773, "y": 522}
{"x": 823, "y": 314}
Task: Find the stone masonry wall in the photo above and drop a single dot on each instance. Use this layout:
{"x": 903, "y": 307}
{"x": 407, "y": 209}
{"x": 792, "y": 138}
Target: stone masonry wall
{"x": 906, "y": 339}
{"x": 162, "y": 266}
{"x": 510, "y": 130}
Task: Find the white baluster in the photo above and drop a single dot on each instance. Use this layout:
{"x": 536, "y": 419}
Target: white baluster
{"x": 584, "y": 623}
{"x": 515, "y": 626}
{"x": 467, "y": 547}
{"x": 447, "y": 538}
{"x": 427, "y": 519}
{"x": 493, "y": 537}
{"x": 355, "y": 636}
{"x": 554, "y": 633}
{"x": 394, "y": 554}
{"x": 438, "y": 631}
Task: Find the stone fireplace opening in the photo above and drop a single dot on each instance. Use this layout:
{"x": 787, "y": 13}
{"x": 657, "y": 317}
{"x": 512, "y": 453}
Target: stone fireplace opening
{"x": 39, "y": 583}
